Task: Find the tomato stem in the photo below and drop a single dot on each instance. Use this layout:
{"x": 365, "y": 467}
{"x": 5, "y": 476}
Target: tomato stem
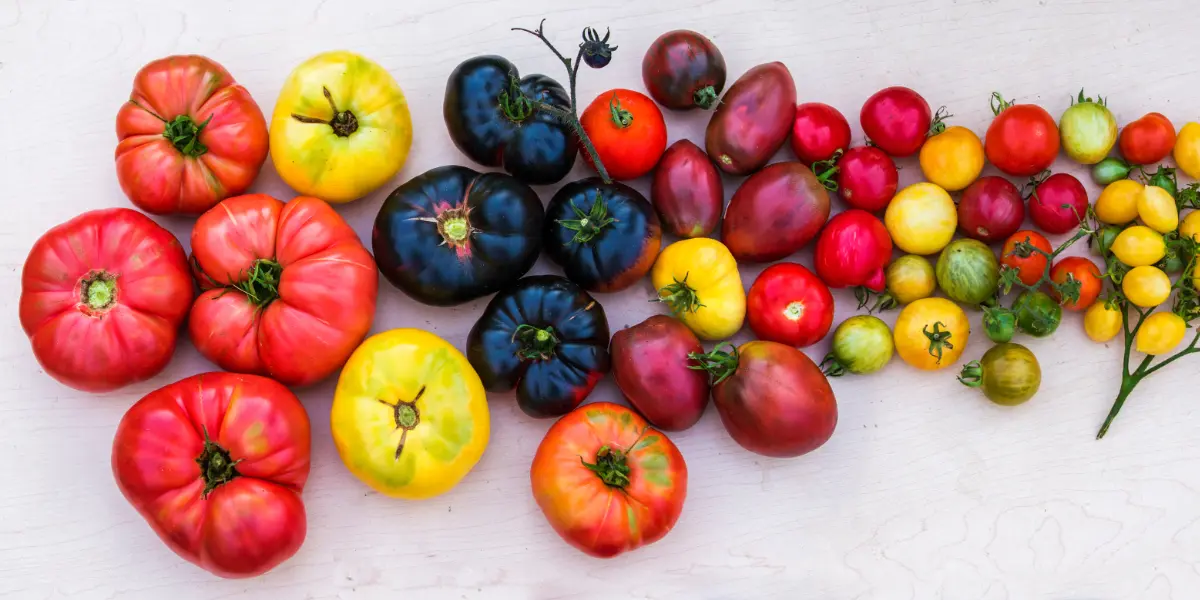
{"x": 999, "y": 104}
{"x": 705, "y": 97}
{"x": 938, "y": 124}
{"x": 832, "y": 367}
{"x": 719, "y": 364}
{"x": 184, "y": 134}
{"x": 261, "y": 282}
{"x": 826, "y": 169}
{"x": 535, "y": 343}
{"x": 610, "y": 466}
{"x": 679, "y": 296}
{"x": 98, "y": 290}
{"x": 588, "y": 225}
{"x": 514, "y": 104}
{"x": 620, "y": 117}
{"x": 972, "y": 374}
{"x": 216, "y": 465}
{"x": 343, "y": 122}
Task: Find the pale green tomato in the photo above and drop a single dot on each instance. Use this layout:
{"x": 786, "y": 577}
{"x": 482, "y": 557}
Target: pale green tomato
{"x": 1088, "y": 131}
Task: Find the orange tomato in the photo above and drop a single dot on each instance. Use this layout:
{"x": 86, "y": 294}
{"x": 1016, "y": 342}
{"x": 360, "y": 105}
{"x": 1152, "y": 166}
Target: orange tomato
{"x": 1031, "y": 268}
{"x": 1086, "y": 273}
{"x": 628, "y": 132}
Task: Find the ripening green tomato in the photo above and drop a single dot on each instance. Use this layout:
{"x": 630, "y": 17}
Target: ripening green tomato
{"x": 1146, "y": 287}
{"x": 861, "y": 344}
{"x": 1037, "y": 313}
{"x": 1156, "y": 208}
{"x": 999, "y": 324}
{"x": 1101, "y": 323}
{"x": 1088, "y": 131}
{"x": 1160, "y": 333}
{"x": 1008, "y": 374}
{"x": 1109, "y": 170}
{"x": 910, "y": 278}
{"x": 968, "y": 272}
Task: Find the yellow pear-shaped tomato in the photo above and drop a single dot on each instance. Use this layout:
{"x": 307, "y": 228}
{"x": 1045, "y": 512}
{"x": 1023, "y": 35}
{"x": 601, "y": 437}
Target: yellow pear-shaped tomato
{"x": 921, "y": 219}
{"x": 931, "y": 333}
{"x": 1139, "y": 246}
{"x": 1160, "y": 333}
{"x": 1187, "y": 150}
{"x": 1156, "y": 208}
{"x": 341, "y": 127}
{"x": 1146, "y": 287}
{"x": 1118, "y": 203}
{"x": 952, "y": 158}
{"x": 1190, "y": 227}
{"x": 410, "y": 417}
{"x": 699, "y": 280}
{"x": 1101, "y": 322}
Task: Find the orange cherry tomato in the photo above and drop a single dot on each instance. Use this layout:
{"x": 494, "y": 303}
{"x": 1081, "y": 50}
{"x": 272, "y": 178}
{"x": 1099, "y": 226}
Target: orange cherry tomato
{"x": 1030, "y": 269}
{"x": 628, "y": 132}
{"x": 1086, "y": 273}
{"x": 1147, "y": 140}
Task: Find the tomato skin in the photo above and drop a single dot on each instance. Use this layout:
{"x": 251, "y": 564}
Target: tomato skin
{"x": 1102, "y": 323}
{"x": 1160, "y": 333}
{"x": 1030, "y": 269}
{"x": 1146, "y": 286}
{"x": 687, "y": 191}
{"x": 861, "y": 345}
{"x": 790, "y": 305}
{"x": 1117, "y": 204}
{"x": 1086, "y": 273}
{"x": 867, "y": 178}
{"x": 910, "y": 278}
{"x": 917, "y": 322}
{"x": 650, "y": 365}
{"x": 896, "y": 119}
{"x": 753, "y": 119}
{"x": 1088, "y": 131}
{"x": 818, "y": 131}
{"x": 1009, "y": 374}
{"x": 1058, "y": 204}
{"x": 1022, "y": 140}
{"x": 854, "y": 249}
{"x": 1147, "y": 140}
{"x": 108, "y": 340}
{"x": 628, "y": 148}
{"x": 967, "y": 272}
{"x": 598, "y": 519}
{"x": 991, "y": 209}
{"x": 245, "y": 525}
{"x": 1156, "y": 208}
{"x": 1138, "y": 246}
{"x": 774, "y": 213}
{"x": 162, "y": 178}
{"x": 953, "y": 158}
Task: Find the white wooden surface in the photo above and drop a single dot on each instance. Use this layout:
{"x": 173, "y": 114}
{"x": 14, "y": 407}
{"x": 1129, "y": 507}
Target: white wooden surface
{"x": 925, "y": 491}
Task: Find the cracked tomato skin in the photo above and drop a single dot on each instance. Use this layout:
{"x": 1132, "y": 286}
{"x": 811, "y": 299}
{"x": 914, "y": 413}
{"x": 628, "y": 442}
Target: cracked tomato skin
{"x": 302, "y": 328}
{"x": 124, "y": 331}
{"x": 410, "y": 416}
{"x": 246, "y": 524}
{"x": 600, "y": 519}
{"x": 224, "y": 145}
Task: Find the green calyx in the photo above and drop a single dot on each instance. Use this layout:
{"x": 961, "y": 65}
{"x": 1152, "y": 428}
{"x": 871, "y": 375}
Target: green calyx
{"x": 939, "y": 121}
{"x": 999, "y": 104}
{"x": 1081, "y": 99}
{"x": 610, "y": 466}
{"x": 620, "y": 117}
{"x": 972, "y": 374}
{"x": 832, "y": 367}
{"x": 588, "y": 225}
{"x": 454, "y": 225}
{"x": 825, "y": 170}
{"x": 261, "y": 282}
{"x": 514, "y": 104}
{"x": 343, "y": 122}
{"x": 184, "y": 134}
{"x": 534, "y": 343}
{"x": 718, "y": 363}
{"x": 98, "y": 290}
{"x": 216, "y": 466}
{"x": 938, "y": 340}
{"x": 705, "y": 97}
{"x": 679, "y": 297}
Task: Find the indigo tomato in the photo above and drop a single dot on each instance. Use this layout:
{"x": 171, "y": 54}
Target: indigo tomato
{"x": 628, "y": 132}
{"x": 991, "y": 209}
{"x": 753, "y": 119}
{"x": 818, "y": 132}
{"x": 853, "y": 250}
{"x": 896, "y": 119}
{"x": 774, "y": 213}
{"x": 867, "y": 178}
{"x": 789, "y": 305}
{"x": 651, "y": 366}
{"x": 1058, "y": 204}
{"x": 687, "y": 192}
{"x": 683, "y": 70}
{"x": 1022, "y": 140}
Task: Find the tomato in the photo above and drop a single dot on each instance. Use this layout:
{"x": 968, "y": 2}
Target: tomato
{"x": 774, "y": 213}
{"x": 853, "y": 250}
{"x": 1138, "y": 246}
{"x": 991, "y": 209}
{"x": 1037, "y": 313}
{"x": 628, "y": 132}
{"x": 967, "y": 272}
{"x": 1101, "y": 322}
{"x": 683, "y": 70}
{"x": 910, "y": 278}
{"x": 1058, "y": 204}
{"x": 1008, "y": 374}
{"x": 409, "y": 416}
{"x": 1190, "y": 227}
{"x": 102, "y": 299}
{"x": 1187, "y": 150}
{"x": 1156, "y": 208}
{"x": 953, "y": 158}
{"x": 931, "y": 333}
{"x": 215, "y": 463}
{"x": 1147, "y": 140}
{"x": 790, "y": 305}
{"x": 921, "y": 219}
{"x": 1030, "y": 269}
{"x": 1086, "y": 273}
{"x": 607, "y": 481}
{"x": 999, "y": 323}
{"x": 699, "y": 280}
{"x": 687, "y": 192}
{"x": 1088, "y": 130}
{"x": 189, "y": 137}
{"x": 752, "y": 120}
{"x": 818, "y": 132}
{"x": 651, "y": 367}
{"x": 1160, "y": 333}
{"x": 1146, "y": 286}
{"x": 862, "y": 344}
{"x": 1118, "y": 203}
{"x": 341, "y": 127}
{"x": 1022, "y": 140}
{"x": 867, "y": 178}
{"x": 1109, "y": 170}
{"x": 896, "y": 119}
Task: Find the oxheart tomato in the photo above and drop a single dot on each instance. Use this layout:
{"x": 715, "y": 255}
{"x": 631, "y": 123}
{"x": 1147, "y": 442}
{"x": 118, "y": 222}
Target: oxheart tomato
{"x": 607, "y": 481}
{"x": 1023, "y": 138}
{"x": 790, "y": 305}
{"x": 699, "y": 280}
{"x": 651, "y": 366}
{"x": 854, "y": 249}
{"x": 991, "y": 209}
{"x": 188, "y": 137}
{"x": 753, "y": 119}
{"x": 1086, "y": 273}
{"x": 867, "y": 178}
{"x": 628, "y": 132}
{"x": 687, "y": 191}
{"x": 1030, "y": 268}
{"x": 215, "y": 463}
{"x": 774, "y": 213}
{"x": 896, "y": 119}
{"x": 289, "y": 289}
{"x": 102, "y": 299}
{"x": 1058, "y": 204}
{"x": 818, "y": 132}
{"x": 1147, "y": 140}
{"x": 683, "y": 70}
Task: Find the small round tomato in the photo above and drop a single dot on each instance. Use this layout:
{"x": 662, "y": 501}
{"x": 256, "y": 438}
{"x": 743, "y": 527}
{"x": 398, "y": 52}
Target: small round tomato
{"x": 1031, "y": 268}
{"x": 999, "y": 324}
{"x": 1088, "y": 130}
{"x": 1058, "y": 204}
{"x": 952, "y": 158}
{"x": 931, "y": 333}
{"x": 1156, "y": 208}
{"x": 896, "y": 119}
{"x": 1109, "y": 170}
{"x": 1187, "y": 150}
{"x": 862, "y": 344}
{"x": 1101, "y": 322}
{"x": 968, "y": 272}
{"x": 683, "y": 70}
{"x": 867, "y": 178}
{"x": 1190, "y": 226}
{"x": 790, "y": 305}
{"x": 1086, "y": 273}
{"x": 991, "y": 209}
{"x": 1008, "y": 374}
{"x": 818, "y": 132}
{"x": 1138, "y": 246}
{"x": 1147, "y": 140}
{"x": 1160, "y": 333}
{"x": 1146, "y": 286}
{"x": 628, "y": 132}
{"x": 1037, "y": 313}
{"x": 1022, "y": 140}
{"x": 698, "y": 279}
{"x": 1118, "y": 203}
{"x": 921, "y": 219}
{"x": 910, "y": 278}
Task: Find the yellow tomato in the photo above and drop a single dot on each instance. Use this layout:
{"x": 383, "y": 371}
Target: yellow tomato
{"x": 952, "y": 158}
{"x": 1190, "y": 227}
{"x": 910, "y": 278}
{"x": 1146, "y": 287}
{"x": 1196, "y": 274}
{"x": 931, "y": 333}
{"x": 698, "y": 278}
{"x": 921, "y": 219}
{"x": 1118, "y": 203}
{"x": 1101, "y": 323}
{"x": 1156, "y": 208}
{"x": 1187, "y": 150}
{"x": 410, "y": 417}
{"x": 341, "y": 127}
{"x": 1160, "y": 333}
{"x": 1139, "y": 246}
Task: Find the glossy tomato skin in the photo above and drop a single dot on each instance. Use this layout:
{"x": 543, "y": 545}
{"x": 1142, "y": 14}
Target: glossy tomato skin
{"x": 684, "y": 70}
{"x": 1030, "y": 269}
{"x": 1058, "y": 204}
{"x": 774, "y": 213}
{"x": 818, "y": 132}
{"x": 553, "y": 382}
{"x": 539, "y": 150}
{"x": 687, "y": 192}
{"x": 102, "y": 299}
{"x": 753, "y": 119}
{"x": 1022, "y": 140}
{"x": 1147, "y": 140}
{"x": 867, "y": 178}
{"x": 225, "y": 145}
{"x": 452, "y": 234}
{"x": 250, "y": 516}
{"x": 1086, "y": 273}
{"x": 896, "y": 119}
{"x": 628, "y": 132}
{"x": 790, "y": 305}
{"x": 651, "y": 366}
{"x": 322, "y": 306}
{"x": 854, "y": 249}
{"x": 596, "y": 518}
{"x": 991, "y": 209}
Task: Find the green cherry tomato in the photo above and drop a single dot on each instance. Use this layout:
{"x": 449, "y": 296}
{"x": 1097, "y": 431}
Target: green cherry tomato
{"x": 1109, "y": 170}
{"x": 1088, "y": 130}
{"x": 968, "y": 272}
{"x": 861, "y": 344}
{"x": 1008, "y": 374}
{"x": 1037, "y": 313}
{"x": 999, "y": 324}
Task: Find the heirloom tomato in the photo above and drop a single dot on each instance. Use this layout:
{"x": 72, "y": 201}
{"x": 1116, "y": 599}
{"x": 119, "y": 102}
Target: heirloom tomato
{"x": 683, "y": 70}
{"x": 1147, "y": 140}
{"x": 1118, "y": 202}
{"x": 921, "y": 219}
{"x": 1146, "y": 286}
{"x": 1058, "y": 204}
{"x": 1187, "y": 150}
{"x": 687, "y": 191}
{"x": 774, "y": 213}
{"x": 102, "y": 299}
{"x": 1102, "y": 322}
{"x": 819, "y": 131}
{"x": 953, "y": 158}
{"x": 1088, "y": 130}
{"x": 1008, "y": 374}
{"x": 752, "y": 120}
{"x": 1022, "y": 140}
{"x": 910, "y": 278}
{"x": 1138, "y": 246}
{"x": 1160, "y": 333}
{"x": 1086, "y": 273}
{"x": 188, "y": 137}
{"x": 862, "y": 344}
{"x": 1029, "y": 268}
{"x": 790, "y": 305}
{"x": 853, "y": 250}
{"x": 967, "y": 272}
{"x": 991, "y": 209}
{"x": 699, "y": 280}
{"x": 651, "y": 367}
{"x": 628, "y": 132}
{"x": 289, "y": 289}
{"x": 409, "y": 417}
{"x": 1037, "y": 313}
{"x": 931, "y": 333}
{"x": 896, "y": 119}
{"x": 867, "y": 178}
{"x": 215, "y": 463}
{"x": 607, "y": 481}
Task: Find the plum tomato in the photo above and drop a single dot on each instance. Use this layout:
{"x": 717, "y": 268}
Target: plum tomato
{"x": 991, "y": 209}
{"x": 687, "y": 192}
{"x": 952, "y": 158}
{"x": 1058, "y": 203}
{"x": 775, "y": 212}
{"x": 1022, "y": 140}
{"x": 683, "y": 70}
{"x": 651, "y": 366}
{"x": 1138, "y": 246}
{"x": 896, "y": 119}
{"x": 818, "y": 132}
{"x": 921, "y": 219}
{"x": 1156, "y": 208}
{"x": 867, "y": 178}
{"x": 1083, "y": 271}
{"x": 753, "y": 119}
{"x": 628, "y": 132}
{"x": 1031, "y": 268}
{"x": 1147, "y": 140}
{"x": 1146, "y": 286}
{"x": 790, "y": 305}
{"x": 1160, "y": 333}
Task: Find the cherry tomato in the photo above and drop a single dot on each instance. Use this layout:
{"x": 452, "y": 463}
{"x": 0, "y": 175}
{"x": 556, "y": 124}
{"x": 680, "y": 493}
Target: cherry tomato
{"x": 1118, "y": 203}
{"x": 818, "y": 132}
{"x": 1160, "y": 333}
{"x": 1190, "y": 226}
{"x": 1032, "y": 268}
{"x": 1147, "y": 140}
{"x": 991, "y": 209}
{"x": 1101, "y": 322}
{"x": 867, "y": 178}
{"x": 1022, "y": 140}
{"x": 790, "y": 305}
{"x": 683, "y": 70}
{"x": 628, "y": 132}
{"x": 1086, "y": 273}
{"x": 1058, "y": 204}
{"x": 1138, "y": 246}
{"x": 896, "y": 119}
{"x": 952, "y": 158}
{"x": 1146, "y": 287}
{"x": 1156, "y": 208}
{"x": 1187, "y": 150}
{"x": 921, "y": 219}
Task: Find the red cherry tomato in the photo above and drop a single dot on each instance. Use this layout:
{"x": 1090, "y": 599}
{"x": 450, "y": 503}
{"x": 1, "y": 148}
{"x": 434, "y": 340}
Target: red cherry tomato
{"x": 1147, "y": 140}
{"x": 854, "y": 248}
{"x": 790, "y": 305}
{"x": 1058, "y": 204}
{"x": 897, "y": 120}
{"x": 1022, "y": 140}
{"x": 818, "y": 132}
{"x": 628, "y": 132}
{"x": 991, "y": 209}
{"x": 1030, "y": 269}
{"x": 867, "y": 178}
{"x": 1086, "y": 273}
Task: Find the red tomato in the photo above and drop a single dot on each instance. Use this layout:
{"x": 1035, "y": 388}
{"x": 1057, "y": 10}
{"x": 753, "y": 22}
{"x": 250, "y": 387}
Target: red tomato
{"x": 607, "y": 481}
{"x": 789, "y": 305}
{"x": 628, "y": 132}
{"x": 897, "y": 120}
{"x": 1086, "y": 273}
{"x": 867, "y": 178}
{"x": 1147, "y": 140}
{"x": 991, "y": 209}
{"x": 818, "y": 132}
{"x": 651, "y": 366}
{"x": 774, "y": 213}
{"x": 687, "y": 192}
{"x": 1030, "y": 269}
{"x": 1022, "y": 140}
{"x": 102, "y": 299}
{"x": 1058, "y": 204}
{"x": 189, "y": 137}
{"x": 854, "y": 249}
{"x": 290, "y": 290}
{"x": 215, "y": 463}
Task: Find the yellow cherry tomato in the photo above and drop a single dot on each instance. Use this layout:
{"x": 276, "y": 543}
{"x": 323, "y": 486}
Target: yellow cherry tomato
{"x": 1160, "y": 333}
{"x": 410, "y": 417}
{"x": 952, "y": 158}
{"x": 910, "y": 278}
{"x": 1190, "y": 227}
{"x": 1101, "y": 323}
{"x": 341, "y": 127}
{"x": 1139, "y": 246}
{"x": 931, "y": 333}
{"x": 921, "y": 219}
{"x": 1196, "y": 274}
{"x": 1156, "y": 208}
{"x": 698, "y": 279}
{"x": 1187, "y": 150}
{"x": 1146, "y": 287}
{"x": 1118, "y": 203}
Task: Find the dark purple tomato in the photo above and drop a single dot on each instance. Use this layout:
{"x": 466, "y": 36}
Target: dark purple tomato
{"x": 683, "y": 70}
{"x": 686, "y": 191}
{"x": 991, "y": 209}
{"x": 753, "y": 120}
{"x": 775, "y": 212}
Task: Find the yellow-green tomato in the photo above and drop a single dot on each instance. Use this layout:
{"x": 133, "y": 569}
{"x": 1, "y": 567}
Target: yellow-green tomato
{"x": 910, "y": 278}
{"x": 921, "y": 219}
{"x": 1139, "y": 246}
{"x": 1146, "y": 287}
{"x": 861, "y": 344}
{"x": 1160, "y": 333}
{"x": 1156, "y": 208}
{"x": 1187, "y": 150}
{"x": 1101, "y": 323}
{"x": 1088, "y": 130}
{"x": 1008, "y": 374}
{"x": 698, "y": 279}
